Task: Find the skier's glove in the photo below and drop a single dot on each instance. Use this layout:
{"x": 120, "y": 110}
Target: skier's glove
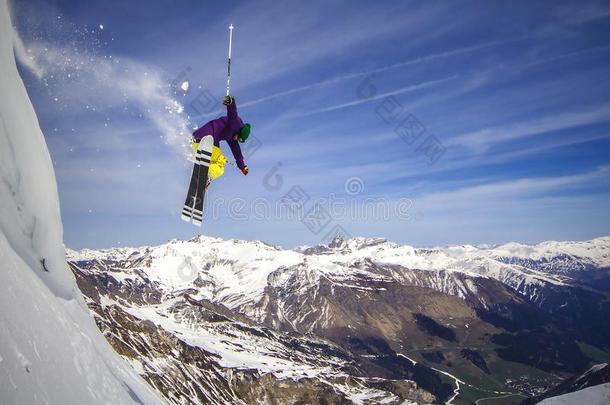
{"x": 228, "y": 100}
{"x": 245, "y": 170}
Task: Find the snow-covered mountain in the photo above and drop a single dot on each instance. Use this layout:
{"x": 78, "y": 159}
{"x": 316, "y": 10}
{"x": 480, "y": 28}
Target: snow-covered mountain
{"x": 563, "y": 258}
{"x": 387, "y": 312}
{"x": 50, "y": 349}
{"x": 238, "y": 273}
{"x": 136, "y": 285}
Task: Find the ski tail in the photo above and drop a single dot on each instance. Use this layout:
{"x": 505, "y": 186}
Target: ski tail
{"x": 203, "y": 158}
{"x": 189, "y": 203}
{"x": 187, "y": 213}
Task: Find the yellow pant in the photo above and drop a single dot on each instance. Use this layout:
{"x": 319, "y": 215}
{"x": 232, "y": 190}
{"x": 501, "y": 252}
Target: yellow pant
{"x": 217, "y": 162}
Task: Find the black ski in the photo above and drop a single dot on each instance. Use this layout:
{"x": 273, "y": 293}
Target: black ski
{"x": 205, "y": 155}
{"x": 187, "y": 210}
{"x": 193, "y": 206}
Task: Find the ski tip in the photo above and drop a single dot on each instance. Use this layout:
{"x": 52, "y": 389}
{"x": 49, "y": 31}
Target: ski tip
{"x": 185, "y": 218}
{"x": 196, "y": 223}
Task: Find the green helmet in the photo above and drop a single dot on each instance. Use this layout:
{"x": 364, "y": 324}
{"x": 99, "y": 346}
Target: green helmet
{"x": 244, "y": 133}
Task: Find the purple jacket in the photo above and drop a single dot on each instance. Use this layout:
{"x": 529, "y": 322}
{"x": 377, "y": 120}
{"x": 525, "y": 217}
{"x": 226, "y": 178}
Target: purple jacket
{"x": 223, "y": 129}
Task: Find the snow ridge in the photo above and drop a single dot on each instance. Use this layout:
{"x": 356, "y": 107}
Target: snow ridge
{"x": 50, "y": 349}
{"x": 236, "y": 273}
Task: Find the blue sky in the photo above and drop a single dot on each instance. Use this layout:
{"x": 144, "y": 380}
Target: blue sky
{"x": 508, "y": 102}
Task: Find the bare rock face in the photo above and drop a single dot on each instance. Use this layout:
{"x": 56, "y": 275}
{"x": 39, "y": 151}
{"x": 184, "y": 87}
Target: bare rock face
{"x": 354, "y": 321}
{"x": 185, "y": 373}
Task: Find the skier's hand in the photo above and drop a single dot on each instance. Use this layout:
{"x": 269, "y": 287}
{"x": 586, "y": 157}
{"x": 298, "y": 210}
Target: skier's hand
{"x": 194, "y": 145}
{"x": 228, "y": 100}
{"x": 245, "y": 170}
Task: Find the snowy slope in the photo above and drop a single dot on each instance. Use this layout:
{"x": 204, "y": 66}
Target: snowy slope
{"x": 595, "y": 250}
{"x": 597, "y": 395}
{"x": 50, "y": 349}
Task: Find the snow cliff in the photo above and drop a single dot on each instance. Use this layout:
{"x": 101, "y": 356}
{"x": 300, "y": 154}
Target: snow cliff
{"x": 50, "y": 349}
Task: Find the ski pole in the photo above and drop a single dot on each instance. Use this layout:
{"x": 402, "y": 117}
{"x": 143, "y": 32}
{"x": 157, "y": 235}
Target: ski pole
{"x": 229, "y": 61}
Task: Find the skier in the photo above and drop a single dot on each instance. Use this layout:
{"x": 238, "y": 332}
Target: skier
{"x": 231, "y": 129}
{"x": 209, "y": 162}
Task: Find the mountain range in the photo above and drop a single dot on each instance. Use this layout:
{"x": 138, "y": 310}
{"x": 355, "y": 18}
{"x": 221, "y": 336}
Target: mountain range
{"x": 363, "y": 320}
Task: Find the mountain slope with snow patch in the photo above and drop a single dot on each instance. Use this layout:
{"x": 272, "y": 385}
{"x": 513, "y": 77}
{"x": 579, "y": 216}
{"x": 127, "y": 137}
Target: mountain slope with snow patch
{"x": 402, "y": 313}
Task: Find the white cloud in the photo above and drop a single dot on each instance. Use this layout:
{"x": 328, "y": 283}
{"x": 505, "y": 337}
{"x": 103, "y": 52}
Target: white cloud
{"x": 406, "y": 89}
{"x": 410, "y": 62}
{"x": 300, "y": 34}
{"x": 484, "y": 138}
{"x": 511, "y": 191}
